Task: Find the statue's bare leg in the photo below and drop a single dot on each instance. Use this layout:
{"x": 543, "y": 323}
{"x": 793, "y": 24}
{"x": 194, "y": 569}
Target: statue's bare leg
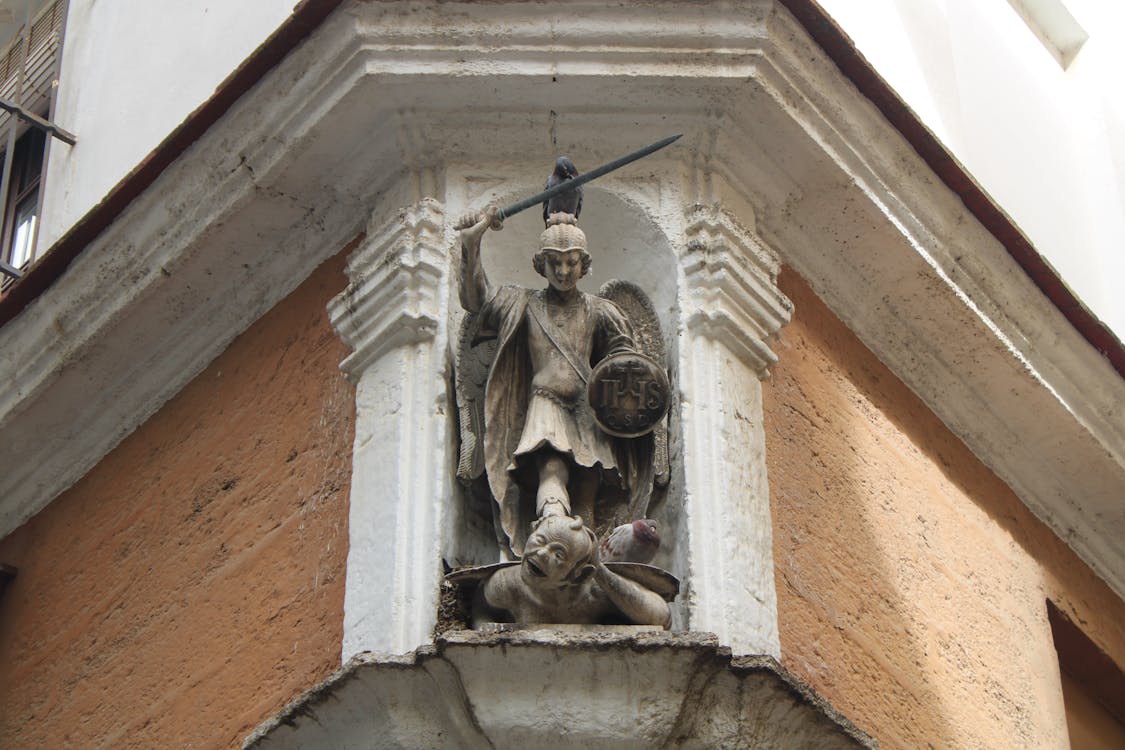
{"x": 551, "y": 499}
{"x": 584, "y": 493}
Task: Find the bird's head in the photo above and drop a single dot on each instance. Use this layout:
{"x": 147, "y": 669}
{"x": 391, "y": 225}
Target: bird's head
{"x": 564, "y": 167}
{"x": 645, "y": 531}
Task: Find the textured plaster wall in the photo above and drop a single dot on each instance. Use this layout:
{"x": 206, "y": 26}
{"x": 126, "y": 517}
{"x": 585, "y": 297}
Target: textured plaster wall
{"x": 911, "y": 581}
{"x": 192, "y": 583}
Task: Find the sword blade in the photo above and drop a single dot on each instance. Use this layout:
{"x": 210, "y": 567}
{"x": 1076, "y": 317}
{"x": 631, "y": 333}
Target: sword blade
{"x": 582, "y": 179}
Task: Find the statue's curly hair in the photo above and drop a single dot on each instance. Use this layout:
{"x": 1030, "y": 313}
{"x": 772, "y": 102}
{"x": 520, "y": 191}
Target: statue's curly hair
{"x": 562, "y": 231}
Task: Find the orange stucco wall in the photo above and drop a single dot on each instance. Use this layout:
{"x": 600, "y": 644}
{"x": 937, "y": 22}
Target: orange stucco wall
{"x": 193, "y": 582}
{"x": 911, "y": 581}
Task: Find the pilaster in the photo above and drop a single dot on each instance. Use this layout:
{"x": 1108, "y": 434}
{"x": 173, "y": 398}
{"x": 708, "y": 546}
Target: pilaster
{"x": 731, "y": 308}
{"x": 392, "y": 314}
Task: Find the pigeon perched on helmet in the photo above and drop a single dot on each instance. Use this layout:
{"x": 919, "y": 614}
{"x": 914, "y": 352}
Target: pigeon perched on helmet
{"x": 634, "y": 542}
{"x": 568, "y": 201}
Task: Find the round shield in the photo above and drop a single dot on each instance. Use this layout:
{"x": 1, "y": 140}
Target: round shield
{"x": 629, "y": 394}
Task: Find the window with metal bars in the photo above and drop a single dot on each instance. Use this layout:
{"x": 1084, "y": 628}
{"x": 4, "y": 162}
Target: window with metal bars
{"x": 28, "y": 78}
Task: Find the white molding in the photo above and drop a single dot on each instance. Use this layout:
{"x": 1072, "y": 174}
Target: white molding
{"x": 606, "y": 689}
{"x": 212, "y": 245}
{"x": 392, "y": 300}
{"x": 938, "y": 299}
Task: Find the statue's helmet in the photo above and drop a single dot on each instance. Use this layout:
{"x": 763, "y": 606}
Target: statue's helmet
{"x": 562, "y": 233}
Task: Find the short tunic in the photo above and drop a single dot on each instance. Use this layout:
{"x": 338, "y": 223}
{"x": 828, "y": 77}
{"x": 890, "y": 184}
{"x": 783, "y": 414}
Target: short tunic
{"x": 559, "y": 416}
{"x": 523, "y": 414}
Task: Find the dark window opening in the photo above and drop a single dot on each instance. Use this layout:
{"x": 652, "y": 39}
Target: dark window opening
{"x": 21, "y": 207}
{"x": 1093, "y": 687}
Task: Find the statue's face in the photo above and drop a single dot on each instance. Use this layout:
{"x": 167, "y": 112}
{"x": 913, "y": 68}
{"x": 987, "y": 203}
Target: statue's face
{"x": 563, "y": 268}
{"x": 552, "y": 551}
{"x": 547, "y": 563}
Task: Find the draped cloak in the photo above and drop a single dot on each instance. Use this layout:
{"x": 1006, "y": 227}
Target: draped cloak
{"x": 508, "y": 394}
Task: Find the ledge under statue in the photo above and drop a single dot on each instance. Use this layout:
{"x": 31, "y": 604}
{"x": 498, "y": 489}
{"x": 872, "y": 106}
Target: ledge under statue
{"x": 563, "y": 399}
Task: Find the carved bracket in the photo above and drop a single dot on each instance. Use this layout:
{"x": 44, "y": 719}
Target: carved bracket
{"x": 731, "y": 290}
{"x": 392, "y": 299}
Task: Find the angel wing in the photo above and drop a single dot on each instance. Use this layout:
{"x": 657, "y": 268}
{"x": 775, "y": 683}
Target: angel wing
{"x": 650, "y": 341}
{"x": 471, "y": 370}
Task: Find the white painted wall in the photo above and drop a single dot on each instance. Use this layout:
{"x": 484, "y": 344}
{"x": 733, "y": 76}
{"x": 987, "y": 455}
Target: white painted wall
{"x": 1047, "y": 144}
{"x": 131, "y": 72}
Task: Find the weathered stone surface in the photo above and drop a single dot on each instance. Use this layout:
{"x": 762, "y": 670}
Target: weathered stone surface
{"x": 801, "y": 159}
{"x": 561, "y": 688}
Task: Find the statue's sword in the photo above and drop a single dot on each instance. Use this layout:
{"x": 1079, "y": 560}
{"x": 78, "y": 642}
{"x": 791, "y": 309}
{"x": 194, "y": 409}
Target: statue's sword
{"x": 582, "y": 179}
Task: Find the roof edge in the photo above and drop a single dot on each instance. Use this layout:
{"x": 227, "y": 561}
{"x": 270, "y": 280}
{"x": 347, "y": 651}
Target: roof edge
{"x": 843, "y": 52}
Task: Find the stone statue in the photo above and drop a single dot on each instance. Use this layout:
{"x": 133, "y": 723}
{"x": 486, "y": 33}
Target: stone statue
{"x": 561, "y": 580}
{"x": 562, "y": 409}
{"x": 541, "y": 435}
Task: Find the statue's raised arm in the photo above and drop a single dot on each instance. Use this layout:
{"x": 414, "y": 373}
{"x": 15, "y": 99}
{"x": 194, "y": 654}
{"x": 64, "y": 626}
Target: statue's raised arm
{"x": 475, "y": 288}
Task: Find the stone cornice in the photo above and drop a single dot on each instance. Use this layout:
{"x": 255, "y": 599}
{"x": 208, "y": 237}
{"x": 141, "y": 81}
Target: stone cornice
{"x": 938, "y": 299}
{"x": 218, "y": 239}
